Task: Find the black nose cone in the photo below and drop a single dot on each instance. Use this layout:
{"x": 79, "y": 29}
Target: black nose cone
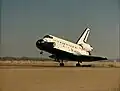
{"x": 39, "y": 42}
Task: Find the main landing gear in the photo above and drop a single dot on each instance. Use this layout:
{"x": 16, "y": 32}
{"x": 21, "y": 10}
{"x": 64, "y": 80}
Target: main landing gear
{"x": 78, "y": 64}
{"x": 61, "y": 63}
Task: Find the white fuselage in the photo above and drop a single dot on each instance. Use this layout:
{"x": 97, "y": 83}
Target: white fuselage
{"x": 62, "y": 49}
{"x": 67, "y": 46}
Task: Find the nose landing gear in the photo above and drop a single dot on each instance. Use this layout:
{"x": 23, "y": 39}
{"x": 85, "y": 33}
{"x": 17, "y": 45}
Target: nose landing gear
{"x": 41, "y": 52}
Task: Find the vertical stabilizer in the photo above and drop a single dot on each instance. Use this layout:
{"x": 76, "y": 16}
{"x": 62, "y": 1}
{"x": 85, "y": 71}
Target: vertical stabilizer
{"x": 84, "y": 36}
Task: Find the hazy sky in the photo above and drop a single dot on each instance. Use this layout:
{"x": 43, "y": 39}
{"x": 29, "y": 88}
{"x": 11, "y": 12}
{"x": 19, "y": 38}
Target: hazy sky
{"x": 24, "y": 21}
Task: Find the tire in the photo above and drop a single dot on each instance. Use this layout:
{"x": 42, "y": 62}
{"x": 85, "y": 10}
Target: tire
{"x": 77, "y": 65}
{"x": 62, "y": 64}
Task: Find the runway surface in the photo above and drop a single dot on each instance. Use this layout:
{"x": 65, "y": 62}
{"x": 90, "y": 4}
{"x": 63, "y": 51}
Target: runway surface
{"x": 53, "y": 78}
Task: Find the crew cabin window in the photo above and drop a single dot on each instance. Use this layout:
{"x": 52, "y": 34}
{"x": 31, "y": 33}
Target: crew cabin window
{"x": 48, "y": 36}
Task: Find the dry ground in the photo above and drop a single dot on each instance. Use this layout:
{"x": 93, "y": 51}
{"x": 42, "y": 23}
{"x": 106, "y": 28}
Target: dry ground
{"x": 29, "y": 78}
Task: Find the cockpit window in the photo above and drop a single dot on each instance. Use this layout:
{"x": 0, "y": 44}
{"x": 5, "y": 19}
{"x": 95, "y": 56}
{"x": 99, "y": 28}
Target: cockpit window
{"x": 48, "y": 36}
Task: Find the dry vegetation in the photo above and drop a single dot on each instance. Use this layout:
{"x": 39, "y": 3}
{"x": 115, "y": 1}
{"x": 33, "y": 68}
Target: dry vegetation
{"x": 22, "y": 58}
{"x": 44, "y": 61}
{"x": 106, "y": 64}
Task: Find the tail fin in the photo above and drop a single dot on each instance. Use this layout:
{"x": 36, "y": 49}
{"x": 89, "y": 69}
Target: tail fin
{"x": 84, "y": 36}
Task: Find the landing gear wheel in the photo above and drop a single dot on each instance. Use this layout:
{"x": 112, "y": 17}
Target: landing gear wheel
{"x": 41, "y": 52}
{"x": 61, "y": 64}
{"x": 78, "y": 65}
